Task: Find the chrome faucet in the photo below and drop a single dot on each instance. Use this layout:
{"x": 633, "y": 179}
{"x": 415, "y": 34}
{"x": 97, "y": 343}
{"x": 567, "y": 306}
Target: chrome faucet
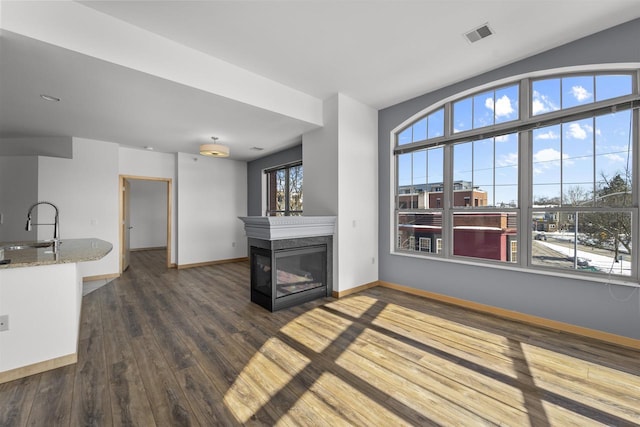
{"x": 56, "y": 222}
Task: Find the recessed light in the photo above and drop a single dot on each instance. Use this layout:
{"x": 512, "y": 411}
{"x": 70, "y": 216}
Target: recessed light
{"x": 256, "y": 148}
{"x": 49, "y": 98}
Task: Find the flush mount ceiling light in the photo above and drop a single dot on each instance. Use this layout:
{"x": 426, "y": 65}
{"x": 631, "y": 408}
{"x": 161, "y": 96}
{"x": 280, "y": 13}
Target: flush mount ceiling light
{"x": 49, "y": 98}
{"x": 215, "y": 149}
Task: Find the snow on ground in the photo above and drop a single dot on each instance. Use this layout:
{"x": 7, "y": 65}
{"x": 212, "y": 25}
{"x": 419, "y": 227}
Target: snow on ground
{"x": 603, "y": 263}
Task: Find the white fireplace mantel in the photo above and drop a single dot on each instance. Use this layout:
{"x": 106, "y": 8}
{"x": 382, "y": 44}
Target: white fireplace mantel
{"x": 288, "y": 227}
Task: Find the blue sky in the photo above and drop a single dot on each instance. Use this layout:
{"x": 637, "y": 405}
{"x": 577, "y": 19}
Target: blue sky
{"x": 561, "y": 153}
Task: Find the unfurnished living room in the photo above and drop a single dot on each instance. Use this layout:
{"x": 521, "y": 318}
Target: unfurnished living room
{"x": 359, "y": 212}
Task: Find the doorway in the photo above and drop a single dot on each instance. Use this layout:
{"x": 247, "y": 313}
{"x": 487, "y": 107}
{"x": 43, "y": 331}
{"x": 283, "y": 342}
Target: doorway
{"x": 126, "y": 194}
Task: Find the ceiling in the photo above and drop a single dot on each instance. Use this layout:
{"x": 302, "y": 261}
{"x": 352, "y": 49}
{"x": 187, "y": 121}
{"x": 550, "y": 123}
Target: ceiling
{"x": 171, "y": 74}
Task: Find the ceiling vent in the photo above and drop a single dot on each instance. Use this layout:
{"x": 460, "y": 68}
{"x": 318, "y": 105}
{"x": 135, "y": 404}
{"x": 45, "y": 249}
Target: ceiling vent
{"x": 479, "y": 33}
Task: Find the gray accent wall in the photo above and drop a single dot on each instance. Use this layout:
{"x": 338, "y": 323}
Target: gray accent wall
{"x": 595, "y": 305}
{"x": 254, "y": 175}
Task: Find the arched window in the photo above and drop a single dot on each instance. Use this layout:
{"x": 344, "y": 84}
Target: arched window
{"x": 537, "y": 173}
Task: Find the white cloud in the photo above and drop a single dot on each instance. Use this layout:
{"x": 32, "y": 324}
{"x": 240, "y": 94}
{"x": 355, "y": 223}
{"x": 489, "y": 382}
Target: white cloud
{"x": 539, "y": 107}
{"x": 502, "y": 138}
{"x": 509, "y": 159}
{"x": 578, "y": 132}
{"x": 580, "y": 93}
{"x": 548, "y": 158}
{"x": 614, "y": 158}
{"x": 547, "y": 135}
{"x": 542, "y": 104}
{"x": 502, "y": 107}
{"x": 546, "y": 155}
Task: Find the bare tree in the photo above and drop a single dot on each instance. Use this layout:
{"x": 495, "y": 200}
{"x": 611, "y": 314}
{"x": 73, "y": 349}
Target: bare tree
{"x": 295, "y": 188}
{"x": 575, "y": 196}
{"x": 610, "y": 227}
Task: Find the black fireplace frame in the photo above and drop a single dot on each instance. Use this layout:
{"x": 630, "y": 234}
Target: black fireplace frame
{"x": 274, "y": 247}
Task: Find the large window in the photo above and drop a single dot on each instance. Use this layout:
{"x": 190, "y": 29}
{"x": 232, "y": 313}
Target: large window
{"x": 284, "y": 190}
{"x": 536, "y": 173}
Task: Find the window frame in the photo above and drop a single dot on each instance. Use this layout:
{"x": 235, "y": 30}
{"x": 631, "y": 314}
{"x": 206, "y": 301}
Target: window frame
{"x": 287, "y": 211}
{"x": 523, "y": 127}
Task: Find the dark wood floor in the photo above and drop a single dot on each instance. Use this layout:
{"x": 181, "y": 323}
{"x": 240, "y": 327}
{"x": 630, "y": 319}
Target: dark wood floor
{"x": 173, "y": 348}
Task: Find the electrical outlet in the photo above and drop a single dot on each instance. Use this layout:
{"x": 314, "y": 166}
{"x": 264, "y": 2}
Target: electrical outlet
{"x": 233, "y": 244}
{"x": 4, "y": 322}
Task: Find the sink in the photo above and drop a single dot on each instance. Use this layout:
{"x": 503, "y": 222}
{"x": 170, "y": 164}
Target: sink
{"x": 33, "y": 245}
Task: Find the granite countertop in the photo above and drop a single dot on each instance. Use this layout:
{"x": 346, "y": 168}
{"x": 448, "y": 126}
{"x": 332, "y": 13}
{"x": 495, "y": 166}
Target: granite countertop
{"x": 69, "y": 250}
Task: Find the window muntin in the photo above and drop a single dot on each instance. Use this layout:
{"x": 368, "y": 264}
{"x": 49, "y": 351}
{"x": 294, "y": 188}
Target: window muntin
{"x": 546, "y": 166}
{"x": 429, "y": 127}
{"x": 577, "y": 164}
{"x": 614, "y": 159}
{"x": 486, "y": 109}
{"x": 601, "y": 241}
{"x": 420, "y": 178}
{"x": 584, "y": 162}
{"x": 484, "y": 234}
{"x": 545, "y": 96}
{"x": 419, "y": 194}
{"x": 463, "y": 115}
{"x": 572, "y": 91}
{"x": 577, "y": 90}
{"x": 486, "y": 170}
{"x": 421, "y": 227}
{"x": 284, "y": 190}
{"x": 436, "y": 124}
{"x": 613, "y": 85}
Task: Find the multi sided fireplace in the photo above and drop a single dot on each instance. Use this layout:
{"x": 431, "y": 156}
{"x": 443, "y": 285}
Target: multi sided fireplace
{"x": 290, "y": 259}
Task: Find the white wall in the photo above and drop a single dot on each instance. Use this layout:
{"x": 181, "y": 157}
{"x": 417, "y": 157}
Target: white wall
{"x": 340, "y": 178}
{"x": 85, "y": 189}
{"x": 149, "y": 164}
{"x": 43, "y": 304}
{"x": 358, "y": 193}
{"x": 148, "y": 214}
{"x": 320, "y": 163}
{"x": 144, "y": 163}
{"x": 18, "y": 191}
{"x": 212, "y": 194}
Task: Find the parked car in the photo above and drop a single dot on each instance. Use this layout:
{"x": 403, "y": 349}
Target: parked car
{"x": 540, "y": 236}
{"x": 582, "y": 262}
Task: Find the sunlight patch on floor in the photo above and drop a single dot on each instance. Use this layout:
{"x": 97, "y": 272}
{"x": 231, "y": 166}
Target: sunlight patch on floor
{"x": 259, "y": 381}
{"x": 349, "y": 406}
{"x": 354, "y": 306}
{"x": 565, "y": 375}
{"x": 558, "y": 416}
{"x": 475, "y": 349}
{"x": 419, "y": 399}
{"x": 307, "y": 329}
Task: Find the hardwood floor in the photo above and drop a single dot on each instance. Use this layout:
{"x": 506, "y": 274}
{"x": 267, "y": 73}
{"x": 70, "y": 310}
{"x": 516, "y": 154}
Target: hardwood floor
{"x": 186, "y": 347}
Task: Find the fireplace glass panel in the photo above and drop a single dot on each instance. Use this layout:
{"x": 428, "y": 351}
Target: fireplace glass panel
{"x": 300, "y": 270}
{"x": 262, "y": 273}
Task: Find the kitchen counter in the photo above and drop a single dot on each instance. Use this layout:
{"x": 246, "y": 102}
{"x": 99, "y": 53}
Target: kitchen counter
{"x": 69, "y": 251}
{"x": 41, "y": 297}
